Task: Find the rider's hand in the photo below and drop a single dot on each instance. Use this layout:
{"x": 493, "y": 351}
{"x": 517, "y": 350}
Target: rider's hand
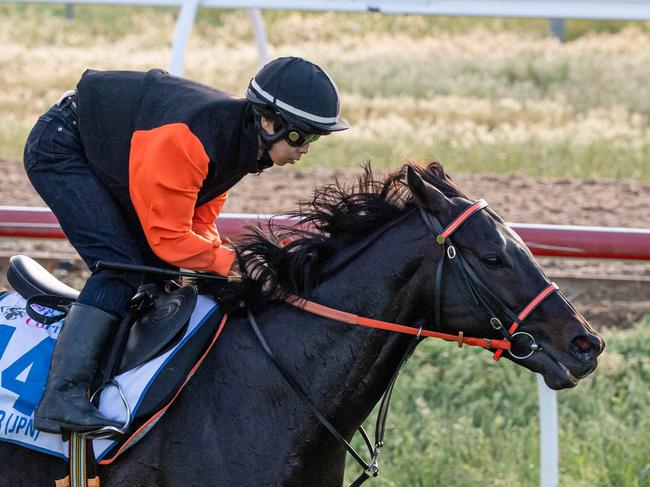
{"x": 234, "y": 269}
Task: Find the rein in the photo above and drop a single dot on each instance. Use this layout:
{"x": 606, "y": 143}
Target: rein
{"x": 481, "y": 294}
{"x": 352, "y": 319}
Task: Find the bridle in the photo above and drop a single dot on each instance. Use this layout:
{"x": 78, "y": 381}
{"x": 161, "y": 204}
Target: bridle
{"x": 479, "y": 291}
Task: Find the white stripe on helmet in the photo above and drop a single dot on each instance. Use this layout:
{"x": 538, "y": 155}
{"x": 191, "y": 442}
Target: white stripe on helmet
{"x": 293, "y": 110}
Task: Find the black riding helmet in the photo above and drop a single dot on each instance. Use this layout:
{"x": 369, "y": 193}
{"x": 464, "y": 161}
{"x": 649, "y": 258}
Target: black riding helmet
{"x": 298, "y": 93}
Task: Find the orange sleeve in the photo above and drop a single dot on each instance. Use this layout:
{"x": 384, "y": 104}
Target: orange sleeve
{"x": 205, "y": 215}
{"x": 166, "y": 170}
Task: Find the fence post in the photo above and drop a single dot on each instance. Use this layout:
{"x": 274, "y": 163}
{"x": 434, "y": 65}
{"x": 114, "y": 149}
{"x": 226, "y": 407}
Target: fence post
{"x": 181, "y": 35}
{"x": 548, "y": 435}
{"x": 259, "y": 30}
{"x": 558, "y": 28}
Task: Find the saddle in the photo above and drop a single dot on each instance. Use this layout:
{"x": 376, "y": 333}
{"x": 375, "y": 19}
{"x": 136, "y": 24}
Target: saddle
{"x": 160, "y": 311}
{"x": 161, "y": 343}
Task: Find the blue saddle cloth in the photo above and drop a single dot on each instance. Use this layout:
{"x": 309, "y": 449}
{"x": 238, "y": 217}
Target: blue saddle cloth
{"x": 26, "y": 348}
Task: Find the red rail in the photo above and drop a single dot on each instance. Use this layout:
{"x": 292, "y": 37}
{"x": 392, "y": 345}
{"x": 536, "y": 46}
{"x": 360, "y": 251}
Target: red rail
{"x": 543, "y": 240}
{"x": 585, "y": 242}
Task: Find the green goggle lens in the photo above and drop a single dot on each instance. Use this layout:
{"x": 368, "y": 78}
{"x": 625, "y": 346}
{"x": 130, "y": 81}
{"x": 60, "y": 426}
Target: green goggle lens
{"x": 297, "y": 138}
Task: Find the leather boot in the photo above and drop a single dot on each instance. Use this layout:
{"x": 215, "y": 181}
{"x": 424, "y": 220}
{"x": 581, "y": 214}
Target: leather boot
{"x": 65, "y": 404}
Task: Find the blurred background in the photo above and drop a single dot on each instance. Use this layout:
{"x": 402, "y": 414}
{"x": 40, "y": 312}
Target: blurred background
{"x": 480, "y": 94}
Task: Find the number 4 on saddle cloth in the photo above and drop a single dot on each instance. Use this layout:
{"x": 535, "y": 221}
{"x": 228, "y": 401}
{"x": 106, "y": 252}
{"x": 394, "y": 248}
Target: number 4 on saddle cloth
{"x": 169, "y": 334}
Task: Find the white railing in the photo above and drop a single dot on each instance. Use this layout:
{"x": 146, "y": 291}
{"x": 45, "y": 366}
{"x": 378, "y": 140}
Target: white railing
{"x": 565, "y": 9}
{"x": 551, "y": 9}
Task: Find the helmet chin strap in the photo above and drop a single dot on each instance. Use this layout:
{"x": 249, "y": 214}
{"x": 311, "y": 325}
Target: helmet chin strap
{"x": 267, "y": 139}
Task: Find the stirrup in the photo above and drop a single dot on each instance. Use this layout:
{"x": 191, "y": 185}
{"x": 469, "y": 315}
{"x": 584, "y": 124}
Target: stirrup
{"x": 105, "y": 433}
{"x": 111, "y": 432}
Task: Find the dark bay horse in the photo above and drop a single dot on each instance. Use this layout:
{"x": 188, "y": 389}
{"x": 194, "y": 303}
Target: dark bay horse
{"x": 375, "y": 254}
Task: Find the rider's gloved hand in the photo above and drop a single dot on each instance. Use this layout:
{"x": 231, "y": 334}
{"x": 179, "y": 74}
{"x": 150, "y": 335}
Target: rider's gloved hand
{"x": 234, "y": 269}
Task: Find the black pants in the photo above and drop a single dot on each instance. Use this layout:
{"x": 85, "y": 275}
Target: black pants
{"x": 88, "y": 214}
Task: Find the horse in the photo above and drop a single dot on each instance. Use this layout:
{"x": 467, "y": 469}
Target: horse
{"x": 375, "y": 250}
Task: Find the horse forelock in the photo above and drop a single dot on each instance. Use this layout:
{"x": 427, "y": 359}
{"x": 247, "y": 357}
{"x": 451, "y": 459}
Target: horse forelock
{"x": 287, "y": 260}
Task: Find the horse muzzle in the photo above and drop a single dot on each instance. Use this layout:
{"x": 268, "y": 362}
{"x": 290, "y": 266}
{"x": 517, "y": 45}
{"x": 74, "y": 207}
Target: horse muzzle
{"x": 562, "y": 367}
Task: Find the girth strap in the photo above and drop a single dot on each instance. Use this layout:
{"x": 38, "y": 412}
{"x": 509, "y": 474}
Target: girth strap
{"x": 77, "y": 459}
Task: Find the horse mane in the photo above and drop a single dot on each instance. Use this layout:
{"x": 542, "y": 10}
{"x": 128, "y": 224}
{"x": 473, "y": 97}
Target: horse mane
{"x": 287, "y": 260}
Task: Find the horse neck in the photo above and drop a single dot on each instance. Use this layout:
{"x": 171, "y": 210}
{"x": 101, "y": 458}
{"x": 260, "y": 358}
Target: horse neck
{"x": 357, "y": 363}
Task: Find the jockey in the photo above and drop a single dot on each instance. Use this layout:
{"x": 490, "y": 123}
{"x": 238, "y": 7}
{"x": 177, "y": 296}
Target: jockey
{"x": 136, "y": 167}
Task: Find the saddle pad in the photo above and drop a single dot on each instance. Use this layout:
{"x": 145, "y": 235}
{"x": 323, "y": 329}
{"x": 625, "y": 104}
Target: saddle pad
{"x": 25, "y": 352}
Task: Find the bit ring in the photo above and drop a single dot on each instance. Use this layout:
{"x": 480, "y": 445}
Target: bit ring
{"x": 533, "y": 345}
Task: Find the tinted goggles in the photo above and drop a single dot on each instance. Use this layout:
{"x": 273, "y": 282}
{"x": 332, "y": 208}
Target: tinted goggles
{"x": 297, "y": 138}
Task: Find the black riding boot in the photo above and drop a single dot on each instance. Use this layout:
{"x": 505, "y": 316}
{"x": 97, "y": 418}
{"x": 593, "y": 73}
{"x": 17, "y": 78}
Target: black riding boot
{"x": 65, "y": 404}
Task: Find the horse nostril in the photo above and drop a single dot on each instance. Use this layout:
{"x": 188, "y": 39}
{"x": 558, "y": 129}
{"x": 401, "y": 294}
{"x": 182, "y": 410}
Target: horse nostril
{"x": 582, "y": 343}
{"x": 585, "y": 347}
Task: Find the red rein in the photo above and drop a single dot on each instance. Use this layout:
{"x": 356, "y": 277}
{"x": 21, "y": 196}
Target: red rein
{"x": 461, "y": 339}
{"x": 352, "y": 319}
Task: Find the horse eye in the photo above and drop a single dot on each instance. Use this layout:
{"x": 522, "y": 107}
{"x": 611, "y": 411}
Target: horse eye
{"x": 492, "y": 261}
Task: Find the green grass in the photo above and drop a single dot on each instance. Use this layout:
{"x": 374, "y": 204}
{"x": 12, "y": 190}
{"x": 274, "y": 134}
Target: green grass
{"x": 460, "y": 419}
{"x": 482, "y": 95}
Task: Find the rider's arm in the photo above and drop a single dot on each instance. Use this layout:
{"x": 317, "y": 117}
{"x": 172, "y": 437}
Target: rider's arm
{"x": 205, "y": 216}
{"x": 167, "y": 167}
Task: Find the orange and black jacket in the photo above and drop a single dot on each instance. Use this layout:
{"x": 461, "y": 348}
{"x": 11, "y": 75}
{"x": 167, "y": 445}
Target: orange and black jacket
{"x": 168, "y": 149}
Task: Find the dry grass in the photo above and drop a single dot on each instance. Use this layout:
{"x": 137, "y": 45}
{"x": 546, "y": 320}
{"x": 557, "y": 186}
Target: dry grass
{"x": 499, "y": 96}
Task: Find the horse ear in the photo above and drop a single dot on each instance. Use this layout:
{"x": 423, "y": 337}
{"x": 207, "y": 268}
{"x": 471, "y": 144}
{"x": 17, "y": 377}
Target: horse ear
{"x": 425, "y": 194}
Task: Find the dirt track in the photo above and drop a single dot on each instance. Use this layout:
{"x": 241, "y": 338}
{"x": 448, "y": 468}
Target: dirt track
{"x": 517, "y": 198}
